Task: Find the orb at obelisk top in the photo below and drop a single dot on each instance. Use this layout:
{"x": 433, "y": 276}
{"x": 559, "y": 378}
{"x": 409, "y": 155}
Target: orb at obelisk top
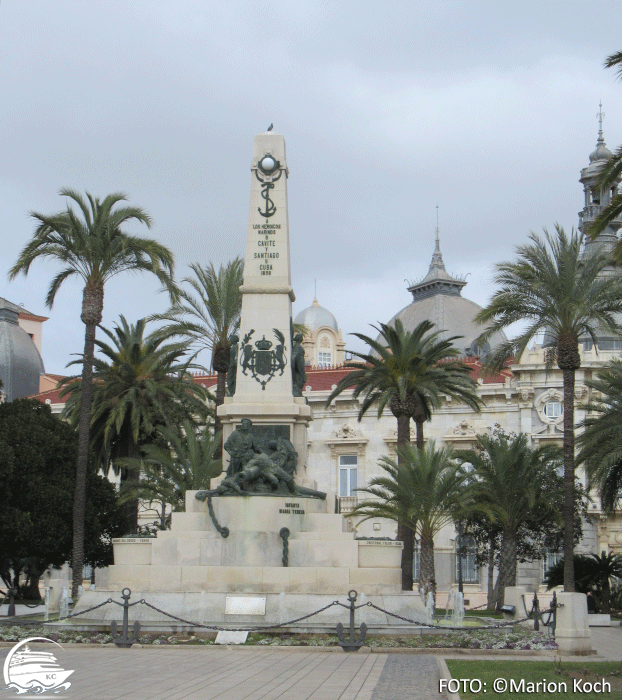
{"x": 261, "y": 386}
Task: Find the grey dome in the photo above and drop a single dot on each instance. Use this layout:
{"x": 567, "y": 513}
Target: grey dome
{"x": 316, "y": 316}
{"x": 437, "y": 298}
{"x": 450, "y": 313}
{"x": 20, "y": 361}
{"x": 601, "y": 152}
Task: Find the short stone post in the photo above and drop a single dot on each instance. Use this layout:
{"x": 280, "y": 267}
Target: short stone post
{"x": 572, "y": 633}
{"x": 513, "y": 595}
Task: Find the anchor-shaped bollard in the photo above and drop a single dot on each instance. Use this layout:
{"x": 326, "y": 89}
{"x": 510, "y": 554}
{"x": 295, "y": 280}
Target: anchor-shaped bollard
{"x": 351, "y": 644}
{"x": 122, "y": 640}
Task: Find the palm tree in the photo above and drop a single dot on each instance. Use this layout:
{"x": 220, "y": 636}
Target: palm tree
{"x": 508, "y": 487}
{"x": 424, "y": 490}
{"x": 609, "y": 176}
{"x": 408, "y": 372}
{"x": 94, "y": 248}
{"x": 560, "y": 292}
{"x": 209, "y": 314}
{"x": 601, "y": 442}
{"x": 592, "y": 570}
{"x": 140, "y": 383}
{"x": 187, "y": 463}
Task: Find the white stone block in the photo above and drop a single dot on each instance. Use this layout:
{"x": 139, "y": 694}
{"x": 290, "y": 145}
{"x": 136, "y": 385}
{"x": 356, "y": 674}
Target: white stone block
{"x": 514, "y": 595}
{"x": 164, "y": 578}
{"x": 132, "y": 552}
{"x": 599, "y": 619}
{"x": 572, "y": 633}
{"x": 379, "y": 554}
{"x": 231, "y": 637}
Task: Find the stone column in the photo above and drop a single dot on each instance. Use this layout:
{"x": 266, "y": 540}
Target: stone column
{"x": 263, "y": 390}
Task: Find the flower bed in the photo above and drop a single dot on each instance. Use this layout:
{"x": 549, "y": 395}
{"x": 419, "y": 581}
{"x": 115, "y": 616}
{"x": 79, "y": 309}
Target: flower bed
{"x": 517, "y": 639}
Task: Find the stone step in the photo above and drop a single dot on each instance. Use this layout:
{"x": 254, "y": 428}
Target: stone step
{"x": 315, "y": 535}
{"x": 326, "y": 522}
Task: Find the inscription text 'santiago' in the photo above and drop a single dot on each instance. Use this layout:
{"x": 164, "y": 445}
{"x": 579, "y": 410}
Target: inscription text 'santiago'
{"x": 266, "y": 245}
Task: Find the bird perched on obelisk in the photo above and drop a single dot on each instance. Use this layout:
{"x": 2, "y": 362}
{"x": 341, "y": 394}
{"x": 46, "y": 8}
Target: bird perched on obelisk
{"x": 270, "y": 127}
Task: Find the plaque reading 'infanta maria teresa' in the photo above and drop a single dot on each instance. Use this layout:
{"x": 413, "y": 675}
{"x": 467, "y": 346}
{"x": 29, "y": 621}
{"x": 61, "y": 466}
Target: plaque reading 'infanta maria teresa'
{"x": 245, "y": 606}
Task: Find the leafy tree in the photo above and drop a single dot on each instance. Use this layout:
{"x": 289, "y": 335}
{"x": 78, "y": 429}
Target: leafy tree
{"x": 209, "y": 314}
{"x": 601, "y": 441}
{"x": 559, "y": 291}
{"x": 591, "y": 571}
{"x": 141, "y": 382}
{"x": 608, "y": 178}
{"x": 425, "y": 490}
{"x": 408, "y": 372}
{"x": 509, "y": 485}
{"x": 540, "y": 531}
{"x": 94, "y": 248}
{"x": 186, "y": 464}
{"x": 37, "y": 454}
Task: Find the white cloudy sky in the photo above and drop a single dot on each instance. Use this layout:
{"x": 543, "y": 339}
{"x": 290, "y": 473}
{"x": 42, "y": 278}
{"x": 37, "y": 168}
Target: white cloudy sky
{"x": 487, "y": 109}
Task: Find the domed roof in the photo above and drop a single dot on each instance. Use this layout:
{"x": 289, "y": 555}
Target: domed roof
{"x": 20, "y": 361}
{"x": 316, "y": 316}
{"x": 437, "y": 298}
{"x": 598, "y": 156}
{"x": 601, "y": 152}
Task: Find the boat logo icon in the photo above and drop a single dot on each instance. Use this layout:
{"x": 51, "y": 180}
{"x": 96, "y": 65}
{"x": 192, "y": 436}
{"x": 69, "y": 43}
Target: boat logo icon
{"x": 32, "y": 671}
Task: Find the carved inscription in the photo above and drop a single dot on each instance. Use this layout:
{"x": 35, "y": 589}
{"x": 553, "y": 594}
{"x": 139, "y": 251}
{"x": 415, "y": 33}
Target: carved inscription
{"x": 292, "y": 508}
{"x": 266, "y": 246}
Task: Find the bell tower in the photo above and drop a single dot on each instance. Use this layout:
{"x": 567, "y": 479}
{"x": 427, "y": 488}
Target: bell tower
{"x": 596, "y": 198}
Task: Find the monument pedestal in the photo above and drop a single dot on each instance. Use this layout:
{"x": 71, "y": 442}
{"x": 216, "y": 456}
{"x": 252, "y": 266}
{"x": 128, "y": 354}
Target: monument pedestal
{"x": 193, "y": 572}
{"x": 293, "y": 414}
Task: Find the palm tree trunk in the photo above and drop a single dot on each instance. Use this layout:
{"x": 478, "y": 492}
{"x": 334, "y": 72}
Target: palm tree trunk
{"x": 220, "y": 363}
{"x": 427, "y": 573}
{"x": 419, "y": 433}
{"x": 84, "y": 425}
{"x": 507, "y": 559}
{"x": 404, "y": 533}
{"x": 569, "y": 473}
{"x": 490, "y": 603}
{"x": 497, "y": 596}
{"x": 132, "y": 479}
{"x": 605, "y": 594}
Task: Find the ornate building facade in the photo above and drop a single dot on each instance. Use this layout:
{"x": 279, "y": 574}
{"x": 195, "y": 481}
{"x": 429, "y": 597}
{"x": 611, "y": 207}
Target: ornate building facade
{"x": 343, "y": 453}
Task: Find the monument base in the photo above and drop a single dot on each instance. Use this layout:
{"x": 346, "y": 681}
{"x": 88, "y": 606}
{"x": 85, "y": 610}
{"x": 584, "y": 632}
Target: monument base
{"x": 273, "y": 609}
{"x": 289, "y": 551}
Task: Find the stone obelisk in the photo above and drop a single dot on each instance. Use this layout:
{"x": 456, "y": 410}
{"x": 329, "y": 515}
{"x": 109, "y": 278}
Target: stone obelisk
{"x": 263, "y": 384}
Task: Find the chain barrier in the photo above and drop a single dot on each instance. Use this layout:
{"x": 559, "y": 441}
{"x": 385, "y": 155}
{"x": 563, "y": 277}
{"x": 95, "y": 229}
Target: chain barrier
{"x": 538, "y": 615}
{"x": 224, "y": 531}
{"x": 238, "y": 629}
{"x": 350, "y": 644}
{"x": 284, "y": 534}
{"x": 470, "y": 628}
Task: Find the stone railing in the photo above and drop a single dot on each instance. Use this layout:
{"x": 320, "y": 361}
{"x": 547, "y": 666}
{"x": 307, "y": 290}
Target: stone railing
{"x": 347, "y": 504}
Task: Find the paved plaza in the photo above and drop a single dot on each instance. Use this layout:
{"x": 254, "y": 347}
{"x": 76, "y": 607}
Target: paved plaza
{"x": 251, "y": 673}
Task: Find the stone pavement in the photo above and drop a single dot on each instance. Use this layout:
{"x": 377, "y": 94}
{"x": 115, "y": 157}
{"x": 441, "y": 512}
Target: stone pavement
{"x": 219, "y": 673}
{"x": 252, "y": 673}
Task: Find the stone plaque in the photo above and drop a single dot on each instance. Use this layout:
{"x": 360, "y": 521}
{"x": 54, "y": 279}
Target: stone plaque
{"x": 265, "y": 433}
{"x": 132, "y": 540}
{"x": 231, "y": 637}
{"x": 380, "y": 543}
{"x": 245, "y": 606}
